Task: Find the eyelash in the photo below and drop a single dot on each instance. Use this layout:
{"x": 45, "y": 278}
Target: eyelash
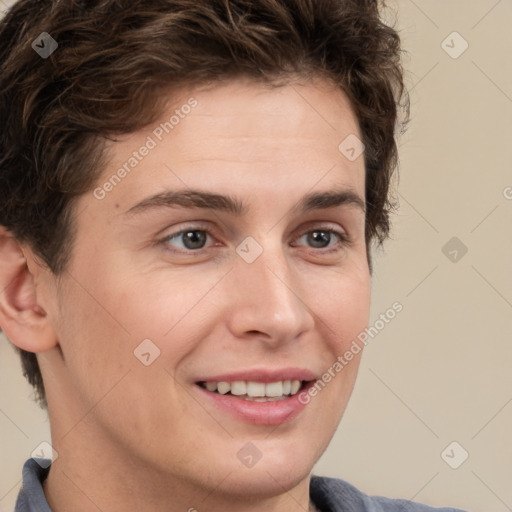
{"x": 343, "y": 240}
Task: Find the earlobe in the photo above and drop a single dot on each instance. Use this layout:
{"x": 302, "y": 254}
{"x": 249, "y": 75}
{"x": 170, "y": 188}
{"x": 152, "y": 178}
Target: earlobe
{"x": 22, "y": 318}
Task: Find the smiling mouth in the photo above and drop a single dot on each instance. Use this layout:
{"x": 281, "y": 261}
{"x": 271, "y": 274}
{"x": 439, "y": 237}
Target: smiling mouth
{"x": 256, "y": 391}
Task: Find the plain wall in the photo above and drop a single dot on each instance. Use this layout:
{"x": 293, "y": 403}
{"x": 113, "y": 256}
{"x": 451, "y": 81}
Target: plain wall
{"x": 440, "y": 370}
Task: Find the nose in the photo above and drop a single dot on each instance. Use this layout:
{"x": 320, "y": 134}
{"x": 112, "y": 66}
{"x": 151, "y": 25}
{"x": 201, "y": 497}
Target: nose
{"x": 268, "y": 300}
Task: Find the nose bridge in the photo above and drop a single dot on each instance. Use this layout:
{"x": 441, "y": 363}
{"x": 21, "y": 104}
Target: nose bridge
{"x": 268, "y": 300}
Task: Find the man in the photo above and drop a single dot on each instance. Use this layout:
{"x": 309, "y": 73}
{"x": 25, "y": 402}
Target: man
{"x": 189, "y": 196}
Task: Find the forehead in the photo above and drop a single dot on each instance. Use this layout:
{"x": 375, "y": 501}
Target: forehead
{"x": 240, "y": 132}
{"x": 298, "y": 99}
{"x": 245, "y": 108}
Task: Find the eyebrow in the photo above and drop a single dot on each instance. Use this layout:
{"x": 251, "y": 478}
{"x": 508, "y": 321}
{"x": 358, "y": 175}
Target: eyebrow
{"x": 190, "y": 199}
{"x": 321, "y": 200}
{"x": 230, "y": 204}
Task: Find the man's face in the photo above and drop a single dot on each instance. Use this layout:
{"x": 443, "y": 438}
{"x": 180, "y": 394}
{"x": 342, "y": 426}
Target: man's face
{"x": 258, "y": 276}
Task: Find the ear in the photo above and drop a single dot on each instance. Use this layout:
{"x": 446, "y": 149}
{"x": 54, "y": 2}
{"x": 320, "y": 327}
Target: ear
{"x": 23, "y": 320}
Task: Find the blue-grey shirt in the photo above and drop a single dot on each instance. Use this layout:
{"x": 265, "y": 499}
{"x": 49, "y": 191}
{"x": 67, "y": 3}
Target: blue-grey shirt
{"x": 328, "y": 494}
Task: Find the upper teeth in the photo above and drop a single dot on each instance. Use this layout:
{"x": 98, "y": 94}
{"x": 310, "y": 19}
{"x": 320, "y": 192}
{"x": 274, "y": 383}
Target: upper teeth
{"x": 255, "y": 389}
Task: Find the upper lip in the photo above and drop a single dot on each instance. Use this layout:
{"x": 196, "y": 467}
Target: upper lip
{"x": 262, "y": 375}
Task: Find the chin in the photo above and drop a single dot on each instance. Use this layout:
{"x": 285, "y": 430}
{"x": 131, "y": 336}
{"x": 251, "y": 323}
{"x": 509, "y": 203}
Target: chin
{"x": 266, "y": 479}
{"x": 281, "y": 466}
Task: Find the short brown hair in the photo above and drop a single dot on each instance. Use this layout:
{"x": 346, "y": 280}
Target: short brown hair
{"x": 113, "y": 58}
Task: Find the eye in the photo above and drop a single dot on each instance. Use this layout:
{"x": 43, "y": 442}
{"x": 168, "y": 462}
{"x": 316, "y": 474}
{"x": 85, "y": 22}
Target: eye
{"x": 323, "y": 239}
{"x": 188, "y": 239}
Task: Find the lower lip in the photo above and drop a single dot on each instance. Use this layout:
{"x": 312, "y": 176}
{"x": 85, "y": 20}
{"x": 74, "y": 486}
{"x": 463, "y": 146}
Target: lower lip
{"x": 259, "y": 413}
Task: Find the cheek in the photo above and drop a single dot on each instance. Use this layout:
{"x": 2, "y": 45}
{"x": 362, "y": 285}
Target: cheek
{"x": 93, "y": 332}
{"x": 343, "y": 314}
{"x": 161, "y": 304}
{"x": 174, "y": 310}
{"x": 345, "y": 309}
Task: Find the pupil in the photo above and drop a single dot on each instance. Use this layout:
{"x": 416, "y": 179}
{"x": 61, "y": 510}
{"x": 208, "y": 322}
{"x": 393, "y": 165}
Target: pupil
{"x": 194, "y": 239}
{"x": 320, "y": 238}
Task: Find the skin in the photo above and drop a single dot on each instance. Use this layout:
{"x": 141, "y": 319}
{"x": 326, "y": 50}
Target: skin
{"x": 132, "y": 437}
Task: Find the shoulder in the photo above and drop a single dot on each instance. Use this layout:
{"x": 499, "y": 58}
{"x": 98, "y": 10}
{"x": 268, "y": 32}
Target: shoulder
{"x": 336, "y": 495}
{"x": 31, "y": 496}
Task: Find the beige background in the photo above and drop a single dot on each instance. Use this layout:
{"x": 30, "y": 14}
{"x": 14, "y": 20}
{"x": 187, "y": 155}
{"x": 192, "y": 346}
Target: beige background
{"x": 440, "y": 371}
